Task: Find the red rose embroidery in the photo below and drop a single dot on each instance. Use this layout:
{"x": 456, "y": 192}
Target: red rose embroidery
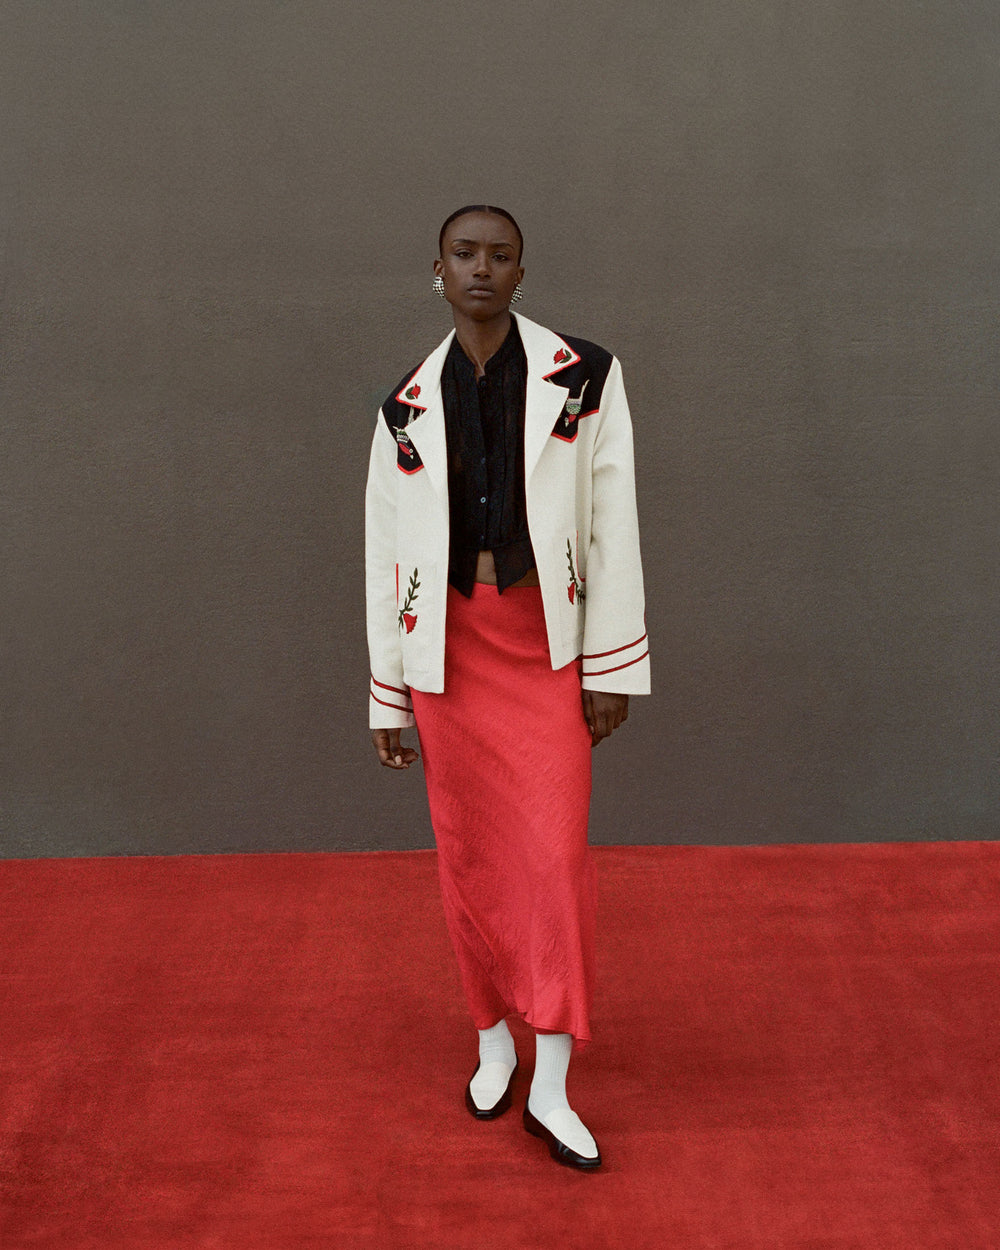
{"x": 409, "y": 620}
{"x": 571, "y": 591}
{"x": 561, "y": 356}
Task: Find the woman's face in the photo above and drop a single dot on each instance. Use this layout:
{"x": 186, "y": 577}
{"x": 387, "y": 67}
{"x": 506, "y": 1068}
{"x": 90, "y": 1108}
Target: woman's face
{"x": 479, "y": 264}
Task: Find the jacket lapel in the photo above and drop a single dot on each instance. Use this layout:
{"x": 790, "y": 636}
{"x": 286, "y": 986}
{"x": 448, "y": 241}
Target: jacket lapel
{"x": 427, "y": 429}
{"x": 547, "y": 356}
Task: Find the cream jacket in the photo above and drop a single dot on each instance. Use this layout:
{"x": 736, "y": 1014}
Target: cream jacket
{"x": 580, "y": 494}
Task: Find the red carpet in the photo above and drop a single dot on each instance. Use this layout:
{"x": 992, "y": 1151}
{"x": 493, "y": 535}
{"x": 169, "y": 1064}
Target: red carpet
{"x": 794, "y": 1047}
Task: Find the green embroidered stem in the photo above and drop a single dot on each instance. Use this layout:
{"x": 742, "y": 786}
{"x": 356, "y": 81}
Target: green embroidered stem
{"x": 411, "y": 598}
{"x": 578, "y": 590}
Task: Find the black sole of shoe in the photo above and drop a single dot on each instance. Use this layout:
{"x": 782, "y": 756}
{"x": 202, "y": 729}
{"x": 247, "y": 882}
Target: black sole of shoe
{"x": 557, "y": 1149}
{"x": 501, "y": 1105}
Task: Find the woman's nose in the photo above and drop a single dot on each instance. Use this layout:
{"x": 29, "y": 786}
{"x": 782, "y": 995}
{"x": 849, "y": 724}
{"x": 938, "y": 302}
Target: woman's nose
{"x": 482, "y": 267}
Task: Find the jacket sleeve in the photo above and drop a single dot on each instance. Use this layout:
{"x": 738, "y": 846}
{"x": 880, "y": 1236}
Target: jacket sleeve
{"x": 389, "y": 701}
{"x": 615, "y": 644}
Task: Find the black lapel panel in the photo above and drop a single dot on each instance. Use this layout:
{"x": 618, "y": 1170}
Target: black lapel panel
{"x": 397, "y": 416}
{"x": 585, "y": 381}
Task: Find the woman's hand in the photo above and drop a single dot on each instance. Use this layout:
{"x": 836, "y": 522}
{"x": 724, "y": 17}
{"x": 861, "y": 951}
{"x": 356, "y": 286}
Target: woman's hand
{"x": 390, "y": 751}
{"x": 603, "y": 713}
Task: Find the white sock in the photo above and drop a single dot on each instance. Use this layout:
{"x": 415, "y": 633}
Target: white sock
{"x": 547, "y": 1100}
{"x": 497, "y": 1060}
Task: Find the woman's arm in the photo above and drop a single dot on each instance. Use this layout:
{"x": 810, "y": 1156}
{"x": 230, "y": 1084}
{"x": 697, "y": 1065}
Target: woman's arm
{"x": 390, "y": 707}
{"x": 615, "y": 646}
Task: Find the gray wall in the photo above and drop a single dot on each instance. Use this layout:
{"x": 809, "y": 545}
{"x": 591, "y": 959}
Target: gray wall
{"x": 219, "y": 221}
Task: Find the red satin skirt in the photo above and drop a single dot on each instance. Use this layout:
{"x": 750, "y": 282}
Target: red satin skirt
{"x": 506, "y": 754}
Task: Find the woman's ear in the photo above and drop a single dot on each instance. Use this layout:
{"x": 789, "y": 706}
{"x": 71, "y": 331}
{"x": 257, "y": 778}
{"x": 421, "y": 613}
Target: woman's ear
{"x": 438, "y": 268}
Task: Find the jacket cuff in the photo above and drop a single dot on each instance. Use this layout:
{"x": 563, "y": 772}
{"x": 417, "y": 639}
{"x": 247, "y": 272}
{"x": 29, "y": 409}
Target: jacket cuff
{"x": 389, "y": 707}
{"x": 623, "y": 669}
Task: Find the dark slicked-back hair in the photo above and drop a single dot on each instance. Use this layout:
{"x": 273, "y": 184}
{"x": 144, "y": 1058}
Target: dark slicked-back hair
{"x": 481, "y": 208}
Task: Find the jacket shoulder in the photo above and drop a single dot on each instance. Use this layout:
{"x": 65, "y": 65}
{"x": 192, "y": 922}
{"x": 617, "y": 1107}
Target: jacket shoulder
{"x": 395, "y": 412}
{"x": 597, "y": 359}
{"x": 590, "y": 371}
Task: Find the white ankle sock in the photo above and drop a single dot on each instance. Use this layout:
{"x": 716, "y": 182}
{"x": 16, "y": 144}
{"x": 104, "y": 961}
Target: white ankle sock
{"x": 497, "y": 1060}
{"x": 547, "y": 1100}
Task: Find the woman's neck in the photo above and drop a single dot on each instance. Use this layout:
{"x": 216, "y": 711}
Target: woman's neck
{"x": 482, "y": 339}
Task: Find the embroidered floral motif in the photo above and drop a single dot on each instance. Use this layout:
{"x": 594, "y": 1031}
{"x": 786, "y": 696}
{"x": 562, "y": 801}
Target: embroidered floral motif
{"x": 412, "y": 392}
{"x": 561, "y": 356}
{"x": 405, "y": 618}
{"x": 574, "y": 590}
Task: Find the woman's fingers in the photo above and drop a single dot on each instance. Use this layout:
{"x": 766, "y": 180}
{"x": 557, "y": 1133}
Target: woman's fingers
{"x": 604, "y": 713}
{"x": 384, "y": 746}
{"x": 587, "y": 700}
{"x": 391, "y": 753}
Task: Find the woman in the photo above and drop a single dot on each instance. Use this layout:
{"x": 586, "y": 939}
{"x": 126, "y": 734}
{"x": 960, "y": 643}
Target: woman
{"x": 505, "y": 619}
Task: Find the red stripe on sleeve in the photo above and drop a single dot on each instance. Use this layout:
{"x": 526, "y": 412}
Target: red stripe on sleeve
{"x": 628, "y": 664}
{"x": 599, "y": 655}
{"x": 398, "y": 706}
{"x": 395, "y": 689}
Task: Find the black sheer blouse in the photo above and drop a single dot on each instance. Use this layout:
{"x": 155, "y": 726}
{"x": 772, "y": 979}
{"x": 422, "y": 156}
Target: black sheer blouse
{"x": 484, "y": 426}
